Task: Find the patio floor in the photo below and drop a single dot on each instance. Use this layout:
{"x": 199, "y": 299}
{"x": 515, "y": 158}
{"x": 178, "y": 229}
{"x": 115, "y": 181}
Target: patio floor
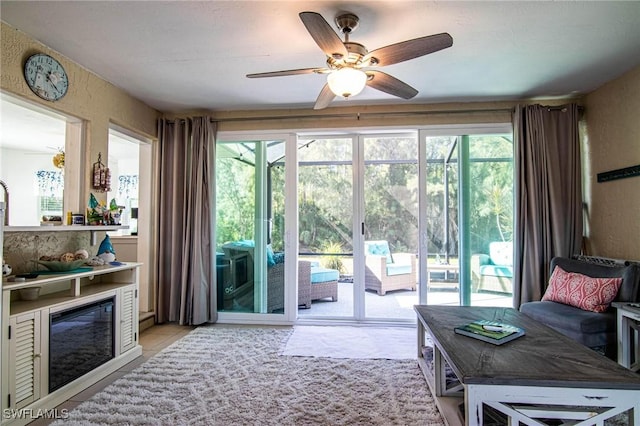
{"x": 395, "y": 304}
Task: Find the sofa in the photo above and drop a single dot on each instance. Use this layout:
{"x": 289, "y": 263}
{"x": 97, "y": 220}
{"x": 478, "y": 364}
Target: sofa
{"x": 593, "y": 329}
{"x": 493, "y": 271}
{"x": 385, "y": 271}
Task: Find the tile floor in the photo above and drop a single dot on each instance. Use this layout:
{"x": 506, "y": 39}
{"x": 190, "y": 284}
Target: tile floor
{"x": 152, "y": 340}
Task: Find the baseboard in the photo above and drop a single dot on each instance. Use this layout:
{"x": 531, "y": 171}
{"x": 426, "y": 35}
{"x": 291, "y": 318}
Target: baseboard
{"x": 146, "y": 320}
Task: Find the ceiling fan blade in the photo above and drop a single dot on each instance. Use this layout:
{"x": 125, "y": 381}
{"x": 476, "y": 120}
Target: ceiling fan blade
{"x": 323, "y": 34}
{"x": 289, "y": 72}
{"x": 391, "y": 85}
{"x": 324, "y": 98}
{"x": 409, "y": 49}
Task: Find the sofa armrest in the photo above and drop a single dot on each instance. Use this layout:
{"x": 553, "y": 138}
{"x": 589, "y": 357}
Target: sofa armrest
{"x": 304, "y": 283}
{"x": 304, "y": 273}
{"x": 477, "y": 260}
{"x": 377, "y": 264}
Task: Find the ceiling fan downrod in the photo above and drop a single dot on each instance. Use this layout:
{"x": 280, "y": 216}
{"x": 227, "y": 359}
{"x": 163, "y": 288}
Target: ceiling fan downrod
{"x": 347, "y": 23}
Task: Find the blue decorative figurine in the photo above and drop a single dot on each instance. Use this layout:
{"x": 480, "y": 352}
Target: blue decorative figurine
{"x": 106, "y": 251}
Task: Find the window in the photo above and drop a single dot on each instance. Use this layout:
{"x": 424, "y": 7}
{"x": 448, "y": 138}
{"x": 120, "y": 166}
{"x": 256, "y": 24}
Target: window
{"x": 50, "y": 189}
{"x": 124, "y": 164}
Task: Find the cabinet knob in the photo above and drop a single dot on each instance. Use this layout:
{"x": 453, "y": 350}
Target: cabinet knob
{"x": 37, "y": 355}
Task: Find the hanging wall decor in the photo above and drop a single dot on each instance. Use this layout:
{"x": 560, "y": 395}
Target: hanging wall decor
{"x": 50, "y": 184}
{"x": 101, "y": 180}
{"x": 619, "y": 173}
{"x": 58, "y": 159}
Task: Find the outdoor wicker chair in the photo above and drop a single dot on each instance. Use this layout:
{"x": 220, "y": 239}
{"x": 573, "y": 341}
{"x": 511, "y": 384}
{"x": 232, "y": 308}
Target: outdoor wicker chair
{"x": 386, "y": 271}
{"x": 275, "y": 285}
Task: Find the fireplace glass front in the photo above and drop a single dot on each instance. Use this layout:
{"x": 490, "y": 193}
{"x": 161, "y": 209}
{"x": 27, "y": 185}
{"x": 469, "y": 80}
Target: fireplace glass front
{"x": 80, "y": 339}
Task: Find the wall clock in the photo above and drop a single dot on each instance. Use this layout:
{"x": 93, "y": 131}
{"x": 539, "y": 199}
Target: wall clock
{"x": 46, "y": 77}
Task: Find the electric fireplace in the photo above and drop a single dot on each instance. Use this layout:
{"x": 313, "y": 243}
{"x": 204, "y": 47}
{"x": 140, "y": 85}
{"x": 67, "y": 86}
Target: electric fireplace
{"x": 80, "y": 339}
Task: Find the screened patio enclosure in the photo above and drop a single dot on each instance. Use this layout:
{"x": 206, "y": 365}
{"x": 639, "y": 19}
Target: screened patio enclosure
{"x": 250, "y": 212}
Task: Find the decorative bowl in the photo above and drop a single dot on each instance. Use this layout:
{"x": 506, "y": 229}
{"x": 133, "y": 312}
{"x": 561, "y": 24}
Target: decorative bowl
{"x": 57, "y": 266}
{"x": 29, "y": 293}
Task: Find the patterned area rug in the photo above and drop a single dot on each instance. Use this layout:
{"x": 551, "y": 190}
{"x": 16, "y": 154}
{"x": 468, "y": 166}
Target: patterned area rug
{"x": 220, "y": 375}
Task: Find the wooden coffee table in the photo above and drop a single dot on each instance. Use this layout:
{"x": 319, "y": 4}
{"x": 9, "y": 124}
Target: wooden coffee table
{"x": 540, "y": 375}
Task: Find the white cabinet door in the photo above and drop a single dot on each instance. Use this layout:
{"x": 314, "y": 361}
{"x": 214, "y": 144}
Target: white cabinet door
{"x": 25, "y": 359}
{"x": 128, "y": 318}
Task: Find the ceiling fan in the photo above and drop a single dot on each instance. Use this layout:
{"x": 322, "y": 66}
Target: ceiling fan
{"x": 346, "y": 60}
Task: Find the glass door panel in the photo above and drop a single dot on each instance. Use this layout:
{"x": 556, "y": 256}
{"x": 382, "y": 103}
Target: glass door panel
{"x": 391, "y": 225}
{"x": 249, "y": 242}
{"x": 325, "y": 200}
{"x": 442, "y": 280}
{"x": 470, "y": 205}
{"x": 491, "y": 219}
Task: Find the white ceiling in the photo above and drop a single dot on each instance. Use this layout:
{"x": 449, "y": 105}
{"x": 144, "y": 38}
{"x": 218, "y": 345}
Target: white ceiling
{"x": 185, "y": 55}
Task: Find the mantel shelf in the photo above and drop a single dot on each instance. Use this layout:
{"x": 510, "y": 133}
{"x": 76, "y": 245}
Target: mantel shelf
{"x": 60, "y": 228}
{"x": 45, "y": 279}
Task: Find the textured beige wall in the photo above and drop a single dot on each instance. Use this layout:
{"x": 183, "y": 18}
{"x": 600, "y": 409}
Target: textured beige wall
{"x": 89, "y": 97}
{"x": 96, "y": 102}
{"x": 612, "y": 116}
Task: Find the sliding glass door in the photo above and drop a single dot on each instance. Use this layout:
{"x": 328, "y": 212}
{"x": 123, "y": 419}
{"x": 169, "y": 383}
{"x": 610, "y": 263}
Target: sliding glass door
{"x": 325, "y": 215}
{"x": 468, "y": 219}
{"x": 390, "y": 191}
{"x": 250, "y": 260}
{"x": 358, "y": 225}
{"x": 378, "y": 222}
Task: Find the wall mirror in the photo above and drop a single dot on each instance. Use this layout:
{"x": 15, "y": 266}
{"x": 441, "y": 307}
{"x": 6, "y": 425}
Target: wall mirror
{"x": 39, "y": 180}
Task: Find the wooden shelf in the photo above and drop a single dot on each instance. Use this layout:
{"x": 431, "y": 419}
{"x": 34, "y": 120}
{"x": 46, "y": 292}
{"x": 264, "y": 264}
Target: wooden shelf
{"x": 56, "y": 278}
{"x": 449, "y": 406}
{"x": 60, "y": 297}
{"x": 63, "y": 228}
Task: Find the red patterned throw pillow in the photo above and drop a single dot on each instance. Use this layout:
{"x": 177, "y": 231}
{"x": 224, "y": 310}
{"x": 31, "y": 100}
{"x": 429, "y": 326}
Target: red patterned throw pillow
{"x": 581, "y": 291}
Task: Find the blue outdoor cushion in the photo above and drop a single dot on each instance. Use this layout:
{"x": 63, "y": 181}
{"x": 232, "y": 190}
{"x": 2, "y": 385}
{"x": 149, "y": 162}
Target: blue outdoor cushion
{"x": 497, "y": 271}
{"x": 379, "y": 248}
{"x": 398, "y": 269}
{"x": 251, "y": 243}
{"x": 270, "y": 260}
{"x": 320, "y": 274}
{"x": 278, "y": 257}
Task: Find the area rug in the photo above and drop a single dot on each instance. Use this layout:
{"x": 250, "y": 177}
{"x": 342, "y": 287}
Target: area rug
{"x": 223, "y": 375}
{"x": 352, "y": 342}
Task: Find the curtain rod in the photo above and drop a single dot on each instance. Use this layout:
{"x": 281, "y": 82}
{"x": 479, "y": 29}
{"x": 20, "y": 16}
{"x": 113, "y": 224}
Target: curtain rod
{"x": 561, "y": 107}
{"x": 358, "y": 115}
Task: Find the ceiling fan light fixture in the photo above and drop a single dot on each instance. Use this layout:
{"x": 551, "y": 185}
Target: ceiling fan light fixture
{"x": 347, "y": 81}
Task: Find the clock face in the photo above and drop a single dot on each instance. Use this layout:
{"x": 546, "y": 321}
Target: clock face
{"x": 46, "y": 77}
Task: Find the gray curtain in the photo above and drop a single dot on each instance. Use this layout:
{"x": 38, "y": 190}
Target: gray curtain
{"x": 548, "y": 194}
{"x": 185, "y": 250}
